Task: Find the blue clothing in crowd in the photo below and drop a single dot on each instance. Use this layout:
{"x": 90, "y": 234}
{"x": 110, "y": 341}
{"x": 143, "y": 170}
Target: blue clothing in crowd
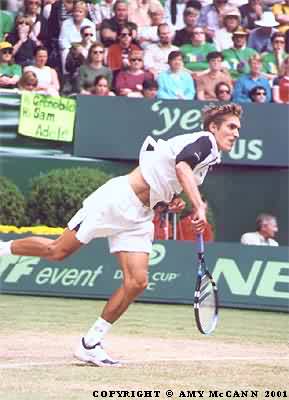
{"x": 178, "y": 85}
{"x": 244, "y": 84}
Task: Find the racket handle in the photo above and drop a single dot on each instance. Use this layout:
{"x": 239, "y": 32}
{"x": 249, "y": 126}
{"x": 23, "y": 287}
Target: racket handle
{"x": 200, "y": 243}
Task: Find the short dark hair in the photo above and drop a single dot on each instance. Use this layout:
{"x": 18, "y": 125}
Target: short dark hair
{"x": 214, "y": 54}
{"x": 219, "y": 84}
{"x": 174, "y": 54}
{"x": 193, "y": 4}
{"x": 276, "y": 35}
{"x": 254, "y": 91}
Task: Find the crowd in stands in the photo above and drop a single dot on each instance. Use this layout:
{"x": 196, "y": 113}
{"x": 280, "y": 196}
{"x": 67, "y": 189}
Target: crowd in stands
{"x": 169, "y": 49}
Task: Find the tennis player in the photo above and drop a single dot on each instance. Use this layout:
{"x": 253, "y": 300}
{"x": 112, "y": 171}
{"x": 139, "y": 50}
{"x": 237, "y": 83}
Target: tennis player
{"x": 122, "y": 210}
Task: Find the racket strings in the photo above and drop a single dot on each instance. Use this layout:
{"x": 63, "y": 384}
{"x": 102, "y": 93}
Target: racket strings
{"x": 207, "y": 304}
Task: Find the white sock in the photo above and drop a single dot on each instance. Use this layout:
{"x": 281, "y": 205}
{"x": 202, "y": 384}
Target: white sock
{"x": 5, "y": 248}
{"x": 97, "y": 332}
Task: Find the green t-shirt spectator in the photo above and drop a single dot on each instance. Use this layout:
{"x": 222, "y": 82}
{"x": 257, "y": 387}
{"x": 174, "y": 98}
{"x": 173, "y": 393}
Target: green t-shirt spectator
{"x": 6, "y": 23}
{"x": 269, "y": 65}
{"x": 195, "y": 56}
{"x": 236, "y": 61}
{"x": 10, "y": 70}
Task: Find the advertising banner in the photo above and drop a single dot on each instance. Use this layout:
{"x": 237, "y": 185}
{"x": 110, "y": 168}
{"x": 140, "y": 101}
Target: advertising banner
{"x": 115, "y": 127}
{"x": 47, "y": 117}
{"x": 247, "y": 276}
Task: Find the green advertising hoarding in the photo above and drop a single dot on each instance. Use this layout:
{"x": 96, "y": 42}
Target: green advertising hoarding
{"x": 116, "y": 128}
{"x": 247, "y": 276}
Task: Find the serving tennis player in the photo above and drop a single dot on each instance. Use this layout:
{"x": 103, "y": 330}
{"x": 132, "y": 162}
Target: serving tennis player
{"x": 122, "y": 211}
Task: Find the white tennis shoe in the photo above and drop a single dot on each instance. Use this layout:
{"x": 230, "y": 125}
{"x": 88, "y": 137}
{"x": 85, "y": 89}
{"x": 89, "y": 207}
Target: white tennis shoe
{"x": 94, "y": 355}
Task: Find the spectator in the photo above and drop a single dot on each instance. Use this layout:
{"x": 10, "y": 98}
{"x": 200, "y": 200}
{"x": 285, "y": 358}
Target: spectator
{"x": 206, "y": 83}
{"x": 236, "y": 58}
{"x": 156, "y": 55}
{"x": 174, "y": 11}
{"x": 107, "y": 36}
{"x": 6, "y": 23}
{"x": 258, "y": 94}
{"x": 223, "y": 91}
{"x": 10, "y": 73}
{"x": 223, "y": 37}
{"x": 260, "y": 38}
{"x": 87, "y": 39}
{"x": 212, "y": 15}
{"x": 101, "y": 87}
{"x": 117, "y": 56}
{"x": 281, "y": 84}
{"x": 266, "y": 229}
{"x": 120, "y": 17}
{"x": 39, "y": 23}
{"x": 246, "y": 82}
{"x": 61, "y": 10}
{"x": 130, "y": 80}
{"x": 48, "y": 82}
{"x": 93, "y": 67}
{"x": 191, "y": 17}
{"x": 150, "y": 89}
{"x": 28, "y": 81}
{"x": 149, "y": 34}
{"x": 101, "y": 11}
{"x": 23, "y": 46}
{"x": 138, "y": 11}
{"x": 176, "y": 83}
{"x": 251, "y": 12}
{"x": 281, "y": 12}
{"x": 70, "y": 30}
{"x": 272, "y": 61}
{"x": 195, "y": 54}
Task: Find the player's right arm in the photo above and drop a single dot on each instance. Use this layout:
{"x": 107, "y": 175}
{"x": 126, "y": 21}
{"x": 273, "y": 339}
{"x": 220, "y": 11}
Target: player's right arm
{"x": 187, "y": 180}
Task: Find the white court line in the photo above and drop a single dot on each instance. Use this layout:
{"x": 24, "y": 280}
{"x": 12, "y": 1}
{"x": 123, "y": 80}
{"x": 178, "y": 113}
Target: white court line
{"x": 125, "y": 362}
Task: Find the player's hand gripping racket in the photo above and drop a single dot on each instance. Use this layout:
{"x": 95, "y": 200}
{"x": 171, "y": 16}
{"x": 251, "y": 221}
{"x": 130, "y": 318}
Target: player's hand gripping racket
{"x": 206, "y": 294}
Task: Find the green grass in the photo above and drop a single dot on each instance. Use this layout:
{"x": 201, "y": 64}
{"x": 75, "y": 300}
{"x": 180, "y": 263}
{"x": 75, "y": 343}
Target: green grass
{"x": 41, "y": 329}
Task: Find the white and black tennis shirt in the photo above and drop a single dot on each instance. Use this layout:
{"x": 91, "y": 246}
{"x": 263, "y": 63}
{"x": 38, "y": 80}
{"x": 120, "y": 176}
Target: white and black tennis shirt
{"x": 158, "y": 162}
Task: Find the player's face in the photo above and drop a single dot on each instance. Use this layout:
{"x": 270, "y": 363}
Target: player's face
{"x": 227, "y": 133}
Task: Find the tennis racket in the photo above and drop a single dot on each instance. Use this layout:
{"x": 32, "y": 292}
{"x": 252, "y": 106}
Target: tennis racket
{"x": 206, "y": 294}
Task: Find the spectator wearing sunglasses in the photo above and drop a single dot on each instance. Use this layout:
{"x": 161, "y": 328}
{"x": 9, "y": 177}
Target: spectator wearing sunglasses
{"x": 23, "y": 45}
{"x": 258, "y": 94}
{"x": 93, "y": 67}
{"x": 272, "y": 61}
{"x": 223, "y": 91}
{"x": 10, "y": 73}
{"x": 130, "y": 81}
{"x": 118, "y": 53}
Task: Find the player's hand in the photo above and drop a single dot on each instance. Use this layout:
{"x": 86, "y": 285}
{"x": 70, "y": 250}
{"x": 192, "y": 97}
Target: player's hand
{"x": 199, "y": 219}
{"x": 177, "y": 205}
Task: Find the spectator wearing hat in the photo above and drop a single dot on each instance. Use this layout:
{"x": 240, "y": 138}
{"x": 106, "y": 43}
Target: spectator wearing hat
{"x": 236, "y": 58}
{"x": 195, "y": 54}
{"x": 176, "y": 83}
{"x": 207, "y": 82}
{"x": 260, "y": 38}
{"x": 223, "y": 91}
{"x": 272, "y": 61}
{"x": 251, "y": 12}
{"x": 281, "y": 12}
{"x": 10, "y": 73}
{"x": 248, "y": 81}
{"x": 223, "y": 36}
{"x": 191, "y": 17}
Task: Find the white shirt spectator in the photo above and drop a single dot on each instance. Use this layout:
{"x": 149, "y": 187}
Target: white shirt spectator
{"x": 223, "y": 39}
{"x": 148, "y": 35}
{"x": 156, "y": 57}
{"x": 256, "y": 239}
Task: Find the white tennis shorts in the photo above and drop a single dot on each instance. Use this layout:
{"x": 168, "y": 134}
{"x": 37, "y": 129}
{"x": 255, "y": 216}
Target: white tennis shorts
{"x": 114, "y": 211}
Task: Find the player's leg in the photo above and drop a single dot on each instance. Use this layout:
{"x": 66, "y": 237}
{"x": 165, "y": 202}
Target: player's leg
{"x": 50, "y": 249}
{"x": 135, "y": 278}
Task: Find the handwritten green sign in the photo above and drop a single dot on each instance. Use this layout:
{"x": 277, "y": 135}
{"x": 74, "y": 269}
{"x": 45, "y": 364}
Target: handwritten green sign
{"x": 47, "y": 117}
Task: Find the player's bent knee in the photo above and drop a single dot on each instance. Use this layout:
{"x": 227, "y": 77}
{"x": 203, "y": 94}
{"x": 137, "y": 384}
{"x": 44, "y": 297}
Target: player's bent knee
{"x": 136, "y": 285}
